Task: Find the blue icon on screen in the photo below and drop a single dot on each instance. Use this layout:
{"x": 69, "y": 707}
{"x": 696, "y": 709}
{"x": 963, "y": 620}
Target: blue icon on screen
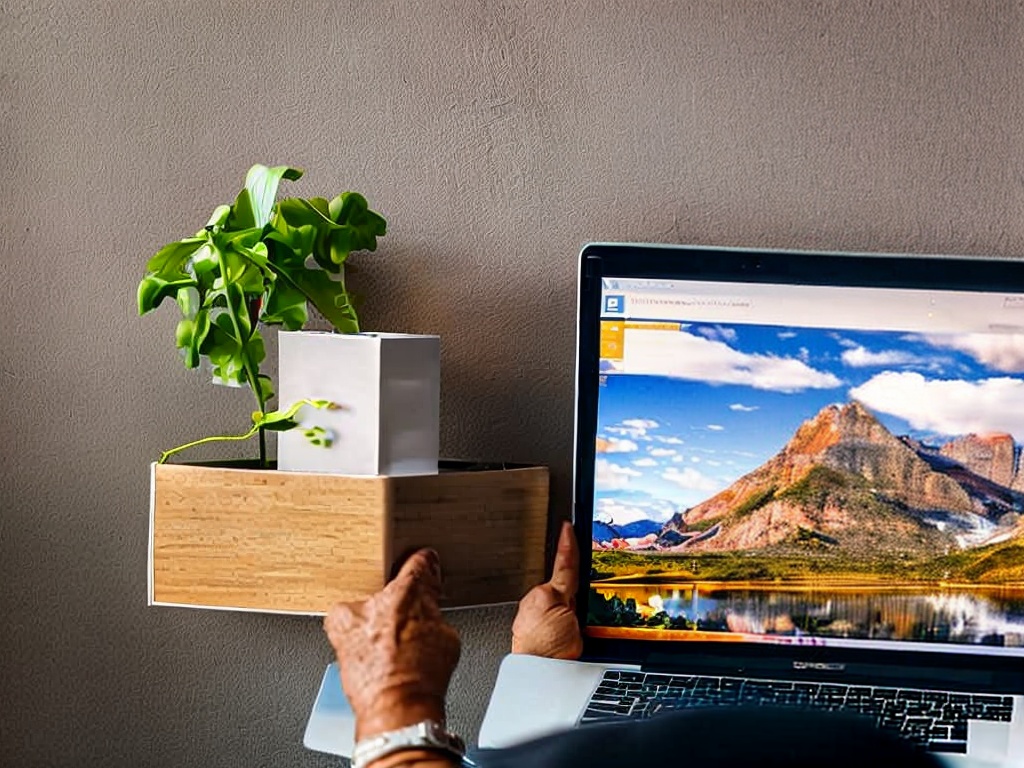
{"x": 614, "y": 304}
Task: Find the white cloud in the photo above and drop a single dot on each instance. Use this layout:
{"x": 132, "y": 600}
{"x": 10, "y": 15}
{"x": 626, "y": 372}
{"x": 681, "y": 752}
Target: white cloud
{"x": 619, "y": 511}
{"x": 615, "y": 513}
{"x": 633, "y": 428}
{"x": 690, "y": 479}
{"x": 861, "y": 357}
{"x": 660, "y": 452}
{"x": 645, "y": 462}
{"x": 669, "y": 440}
{"x": 716, "y": 427}
{"x": 688, "y": 356}
{"x": 743, "y": 408}
{"x": 1002, "y": 351}
{"x": 947, "y": 406}
{"x": 610, "y": 476}
{"x": 718, "y": 333}
{"x": 620, "y": 445}
{"x": 643, "y": 424}
{"x": 787, "y": 334}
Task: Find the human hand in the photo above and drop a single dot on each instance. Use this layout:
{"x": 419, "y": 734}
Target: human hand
{"x": 395, "y": 651}
{"x": 546, "y": 624}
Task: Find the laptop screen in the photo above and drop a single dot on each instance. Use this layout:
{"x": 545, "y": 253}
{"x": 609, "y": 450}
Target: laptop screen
{"x": 808, "y": 464}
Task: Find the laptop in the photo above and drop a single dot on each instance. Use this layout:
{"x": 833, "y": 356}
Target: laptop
{"x": 798, "y": 481}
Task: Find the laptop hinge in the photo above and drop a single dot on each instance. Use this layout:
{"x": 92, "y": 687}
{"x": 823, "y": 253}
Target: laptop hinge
{"x": 853, "y": 673}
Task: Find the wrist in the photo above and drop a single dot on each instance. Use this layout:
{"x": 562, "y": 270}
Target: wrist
{"x": 387, "y": 713}
{"x": 426, "y": 744}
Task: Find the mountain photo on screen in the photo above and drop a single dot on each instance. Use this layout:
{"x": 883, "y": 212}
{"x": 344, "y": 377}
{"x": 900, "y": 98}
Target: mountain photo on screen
{"x": 813, "y": 483}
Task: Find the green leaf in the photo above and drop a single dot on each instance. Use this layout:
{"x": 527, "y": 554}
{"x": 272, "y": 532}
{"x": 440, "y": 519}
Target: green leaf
{"x": 346, "y": 319}
{"x": 190, "y": 335}
{"x": 328, "y": 296}
{"x": 321, "y": 206}
{"x": 266, "y": 385}
{"x": 358, "y": 226}
{"x": 205, "y": 263}
{"x": 285, "y": 305}
{"x": 279, "y": 425}
{"x": 229, "y": 353}
{"x": 167, "y": 272}
{"x": 319, "y": 437}
{"x": 219, "y": 217}
{"x": 172, "y": 258}
{"x": 154, "y": 289}
{"x": 345, "y": 224}
{"x": 244, "y": 271}
{"x": 312, "y": 218}
{"x": 223, "y": 349}
{"x": 351, "y": 209}
{"x": 284, "y": 419}
{"x": 255, "y": 204}
{"x": 188, "y": 301}
{"x": 297, "y": 212}
{"x": 298, "y": 239}
{"x": 302, "y": 228}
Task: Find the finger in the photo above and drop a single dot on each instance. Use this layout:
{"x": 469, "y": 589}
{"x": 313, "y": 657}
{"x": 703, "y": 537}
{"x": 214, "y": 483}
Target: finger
{"x": 565, "y": 571}
{"x": 341, "y": 615}
{"x": 420, "y": 574}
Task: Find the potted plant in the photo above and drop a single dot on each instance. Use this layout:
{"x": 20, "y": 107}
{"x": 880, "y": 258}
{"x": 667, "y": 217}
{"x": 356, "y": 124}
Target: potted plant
{"x": 263, "y": 539}
{"x": 257, "y": 262}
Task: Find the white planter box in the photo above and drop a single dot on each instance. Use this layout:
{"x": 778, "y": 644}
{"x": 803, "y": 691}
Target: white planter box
{"x": 388, "y": 386}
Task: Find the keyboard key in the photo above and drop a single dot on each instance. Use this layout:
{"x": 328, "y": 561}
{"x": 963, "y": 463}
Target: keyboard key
{"x": 661, "y": 680}
{"x": 951, "y": 747}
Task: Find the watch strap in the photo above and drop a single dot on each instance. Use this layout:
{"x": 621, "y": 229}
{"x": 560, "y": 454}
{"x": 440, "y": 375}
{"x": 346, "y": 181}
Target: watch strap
{"x": 428, "y": 734}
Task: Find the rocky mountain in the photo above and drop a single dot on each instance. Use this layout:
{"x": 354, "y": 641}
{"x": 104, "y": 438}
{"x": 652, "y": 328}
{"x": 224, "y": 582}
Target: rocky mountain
{"x": 992, "y": 456}
{"x": 844, "y": 480}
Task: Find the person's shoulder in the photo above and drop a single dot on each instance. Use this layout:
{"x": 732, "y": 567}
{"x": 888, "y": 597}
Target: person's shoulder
{"x": 720, "y": 738}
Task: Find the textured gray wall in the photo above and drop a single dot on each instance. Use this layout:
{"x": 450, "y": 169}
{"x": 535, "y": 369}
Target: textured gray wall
{"x": 497, "y": 138}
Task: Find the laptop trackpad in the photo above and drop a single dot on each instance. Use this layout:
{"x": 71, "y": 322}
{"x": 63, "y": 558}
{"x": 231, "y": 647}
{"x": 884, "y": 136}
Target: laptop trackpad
{"x": 987, "y": 740}
{"x": 534, "y": 696}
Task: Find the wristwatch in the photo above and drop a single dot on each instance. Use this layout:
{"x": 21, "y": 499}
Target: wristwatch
{"x": 428, "y": 734}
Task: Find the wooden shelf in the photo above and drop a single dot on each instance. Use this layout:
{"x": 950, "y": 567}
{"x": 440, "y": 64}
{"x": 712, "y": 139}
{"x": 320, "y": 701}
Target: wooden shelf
{"x": 288, "y": 542}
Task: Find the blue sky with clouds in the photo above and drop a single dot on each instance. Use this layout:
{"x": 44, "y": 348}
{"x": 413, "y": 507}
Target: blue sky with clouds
{"x": 737, "y": 393}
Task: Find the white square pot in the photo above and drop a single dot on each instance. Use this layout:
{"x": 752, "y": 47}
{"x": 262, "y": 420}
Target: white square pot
{"x": 388, "y": 386}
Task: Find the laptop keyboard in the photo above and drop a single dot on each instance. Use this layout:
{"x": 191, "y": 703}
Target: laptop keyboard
{"x": 933, "y": 720}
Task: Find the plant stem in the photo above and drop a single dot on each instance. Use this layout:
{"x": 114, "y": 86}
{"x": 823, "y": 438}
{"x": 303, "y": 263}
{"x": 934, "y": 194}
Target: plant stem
{"x": 167, "y": 454}
{"x": 250, "y": 372}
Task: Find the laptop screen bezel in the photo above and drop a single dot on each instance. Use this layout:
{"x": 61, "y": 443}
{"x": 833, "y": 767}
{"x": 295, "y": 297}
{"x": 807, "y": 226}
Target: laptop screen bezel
{"x": 751, "y": 265}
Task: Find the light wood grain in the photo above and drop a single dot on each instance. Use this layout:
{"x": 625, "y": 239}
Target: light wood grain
{"x": 295, "y": 542}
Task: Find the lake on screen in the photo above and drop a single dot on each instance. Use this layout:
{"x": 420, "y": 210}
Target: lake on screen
{"x": 972, "y": 615}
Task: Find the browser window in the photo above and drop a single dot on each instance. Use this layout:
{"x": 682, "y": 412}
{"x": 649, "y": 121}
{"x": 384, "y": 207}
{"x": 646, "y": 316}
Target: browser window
{"x": 809, "y": 465}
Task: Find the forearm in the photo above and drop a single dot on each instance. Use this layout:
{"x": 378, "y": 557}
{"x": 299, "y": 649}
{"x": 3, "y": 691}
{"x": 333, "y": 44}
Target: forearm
{"x": 416, "y": 758}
